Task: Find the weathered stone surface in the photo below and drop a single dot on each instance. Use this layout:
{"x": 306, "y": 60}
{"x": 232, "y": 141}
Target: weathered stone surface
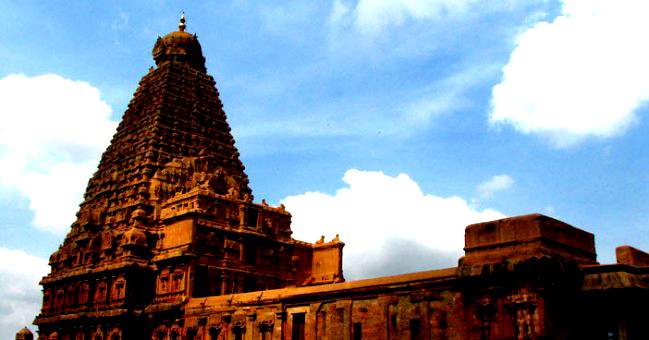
{"x": 631, "y": 256}
{"x": 522, "y": 236}
{"x": 169, "y": 244}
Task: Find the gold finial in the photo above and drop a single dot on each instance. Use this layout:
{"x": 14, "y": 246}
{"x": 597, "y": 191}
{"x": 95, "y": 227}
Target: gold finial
{"x": 181, "y": 25}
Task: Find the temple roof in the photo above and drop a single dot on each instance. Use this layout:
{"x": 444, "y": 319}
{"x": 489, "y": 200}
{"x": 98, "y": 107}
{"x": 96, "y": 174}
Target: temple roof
{"x": 25, "y": 331}
{"x": 179, "y": 46}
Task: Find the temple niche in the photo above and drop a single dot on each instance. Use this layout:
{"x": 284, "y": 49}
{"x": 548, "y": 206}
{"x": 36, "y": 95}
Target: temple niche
{"x": 169, "y": 243}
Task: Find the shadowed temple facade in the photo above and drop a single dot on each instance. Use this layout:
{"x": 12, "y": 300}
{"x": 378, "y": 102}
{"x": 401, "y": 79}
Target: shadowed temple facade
{"x": 169, "y": 244}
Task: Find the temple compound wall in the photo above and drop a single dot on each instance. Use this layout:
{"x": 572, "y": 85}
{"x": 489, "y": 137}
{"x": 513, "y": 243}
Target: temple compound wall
{"x": 169, "y": 244}
{"x": 527, "y": 277}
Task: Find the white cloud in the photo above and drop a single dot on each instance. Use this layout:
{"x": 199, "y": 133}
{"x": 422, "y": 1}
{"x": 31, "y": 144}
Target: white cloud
{"x": 549, "y": 210}
{"x": 121, "y": 22}
{"x": 365, "y": 115}
{"x": 20, "y": 296}
{"x": 373, "y": 16}
{"x": 376, "y": 215}
{"x": 582, "y": 75}
{"x": 338, "y": 11}
{"x": 52, "y": 132}
{"x": 445, "y": 96}
{"x": 495, "y": 184}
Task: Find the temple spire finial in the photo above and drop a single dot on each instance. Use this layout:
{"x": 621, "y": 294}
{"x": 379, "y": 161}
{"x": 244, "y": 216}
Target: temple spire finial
{"x": 181, "y": 25}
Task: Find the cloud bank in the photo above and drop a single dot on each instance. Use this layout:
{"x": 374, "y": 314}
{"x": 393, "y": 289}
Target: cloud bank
{"x": 52, "y": 132}
{"x": 582, "y": 75}
{"x": 20, "y": 294}
{"x": 384, "y": 220}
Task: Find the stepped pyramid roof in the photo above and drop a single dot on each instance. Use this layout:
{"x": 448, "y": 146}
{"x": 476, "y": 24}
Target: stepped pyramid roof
{"x": 175, "y": 118}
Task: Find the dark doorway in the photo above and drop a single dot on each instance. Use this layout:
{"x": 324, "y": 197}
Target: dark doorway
{"x": 298, "y": 326}
{"x": 415, "y": 329}
{"x": 358, "y": 331}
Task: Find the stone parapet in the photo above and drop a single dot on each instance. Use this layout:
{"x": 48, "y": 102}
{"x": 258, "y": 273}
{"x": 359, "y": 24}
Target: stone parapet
{"x": 521, "y": 237}
{"x": 631, "y": 256}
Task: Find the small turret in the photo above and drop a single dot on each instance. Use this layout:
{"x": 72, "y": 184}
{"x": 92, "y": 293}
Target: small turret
{"x": 24, "y": 334}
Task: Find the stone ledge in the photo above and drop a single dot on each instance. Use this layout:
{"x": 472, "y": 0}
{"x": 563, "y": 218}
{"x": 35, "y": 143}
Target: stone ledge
{"x": 631, "y": 256}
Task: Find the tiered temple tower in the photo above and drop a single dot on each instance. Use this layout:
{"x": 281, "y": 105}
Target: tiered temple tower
{"x": 169, "y": 215}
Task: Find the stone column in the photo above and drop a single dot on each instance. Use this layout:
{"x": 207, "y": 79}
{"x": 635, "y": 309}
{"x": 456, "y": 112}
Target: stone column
{"x": 278, "y": 326}
{"x": 242, "y": 216}
{"x": 250, "y": 326}
{"x": 224, "y": 284}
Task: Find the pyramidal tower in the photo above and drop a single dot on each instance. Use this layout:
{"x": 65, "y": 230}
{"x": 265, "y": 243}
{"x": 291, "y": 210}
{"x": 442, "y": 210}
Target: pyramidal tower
{"x": 169, "y": 215}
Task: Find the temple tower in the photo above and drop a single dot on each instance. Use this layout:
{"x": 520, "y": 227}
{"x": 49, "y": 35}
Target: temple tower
{"x": 169, "y": 215}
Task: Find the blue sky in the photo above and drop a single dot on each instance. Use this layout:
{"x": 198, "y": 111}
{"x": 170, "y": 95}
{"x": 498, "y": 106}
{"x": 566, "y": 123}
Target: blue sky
{"x": 394, "y": 123}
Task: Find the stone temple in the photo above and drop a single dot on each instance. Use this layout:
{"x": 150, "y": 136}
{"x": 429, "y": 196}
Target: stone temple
{"x": 169, "y": 244}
